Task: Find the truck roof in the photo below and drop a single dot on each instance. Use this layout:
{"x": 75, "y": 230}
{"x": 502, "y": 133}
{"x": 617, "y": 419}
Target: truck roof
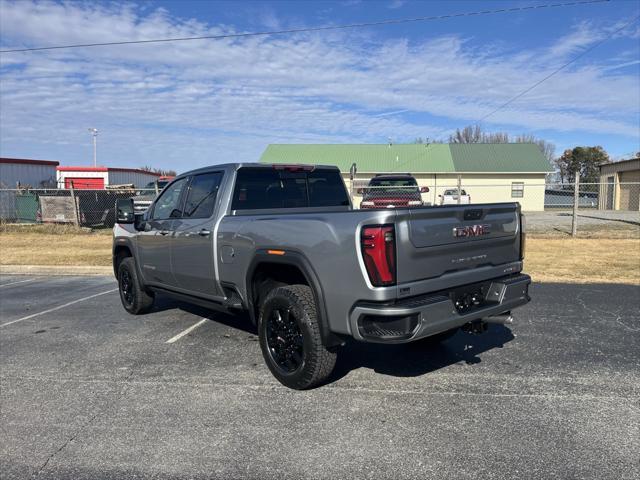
{"x": 229, "y": 167}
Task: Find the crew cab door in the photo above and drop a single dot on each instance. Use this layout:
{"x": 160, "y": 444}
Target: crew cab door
{"x": 192, "y": 245}
{"x": 154, "y": 242}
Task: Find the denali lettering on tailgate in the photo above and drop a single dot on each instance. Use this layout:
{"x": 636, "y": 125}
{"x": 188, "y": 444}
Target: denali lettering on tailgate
{"x": 471, "y": 231}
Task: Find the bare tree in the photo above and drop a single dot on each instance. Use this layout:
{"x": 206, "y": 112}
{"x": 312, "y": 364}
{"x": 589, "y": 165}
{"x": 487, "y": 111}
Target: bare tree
{"x": 160, "y": 171}
{"x": 469, "y": 134}
{"x": 474, "y": 134}
{"x": 548, "y": 149}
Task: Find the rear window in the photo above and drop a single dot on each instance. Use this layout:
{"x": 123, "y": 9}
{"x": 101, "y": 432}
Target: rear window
{"x": 454, "y": 192}
{"x": 263, "y": 188}
{"x": 394, "y": 185}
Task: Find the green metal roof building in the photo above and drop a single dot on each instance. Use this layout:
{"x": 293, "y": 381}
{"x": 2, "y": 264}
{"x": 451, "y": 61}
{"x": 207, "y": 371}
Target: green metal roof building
{"x": 416, "y": 158}
{"x": 487, "y": 171}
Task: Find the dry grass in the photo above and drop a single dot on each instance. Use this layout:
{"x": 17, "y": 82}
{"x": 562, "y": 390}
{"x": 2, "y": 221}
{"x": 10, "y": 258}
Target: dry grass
{"x": 589, "y": 231}
{"x": 567, "y": 260}
{"x": 50, "y": 229}
{"x": 579, "y": 260}
{"x": 31, "y": 248}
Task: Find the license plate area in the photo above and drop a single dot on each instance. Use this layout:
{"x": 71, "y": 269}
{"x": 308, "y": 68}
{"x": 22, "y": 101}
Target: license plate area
{"x": 473, "y": 297}
{"x": 490, "y": 293}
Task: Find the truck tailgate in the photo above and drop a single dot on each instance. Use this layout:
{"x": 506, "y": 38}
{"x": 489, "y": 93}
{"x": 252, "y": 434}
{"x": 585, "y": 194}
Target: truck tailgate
{"x": 433, "y": 242}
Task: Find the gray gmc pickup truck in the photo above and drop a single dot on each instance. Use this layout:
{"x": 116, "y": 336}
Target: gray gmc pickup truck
{"x": 283, "y": 243}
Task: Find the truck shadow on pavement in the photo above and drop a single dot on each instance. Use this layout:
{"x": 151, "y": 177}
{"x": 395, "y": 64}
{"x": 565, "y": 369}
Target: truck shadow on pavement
{"x": 240, "y": 321}
{"x": 419, "y": 358}
{"x": 403, "y": 360}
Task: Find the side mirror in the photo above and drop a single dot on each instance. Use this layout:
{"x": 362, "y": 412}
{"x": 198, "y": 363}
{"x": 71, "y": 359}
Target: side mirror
{"x": 424, "y": 189}
{"x": 124, "y": 211}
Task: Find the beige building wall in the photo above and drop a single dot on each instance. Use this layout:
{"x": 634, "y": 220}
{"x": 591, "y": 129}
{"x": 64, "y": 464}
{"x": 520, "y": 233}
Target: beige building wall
{"x": 483, "y": 188}
{"x": 620, "y": 186}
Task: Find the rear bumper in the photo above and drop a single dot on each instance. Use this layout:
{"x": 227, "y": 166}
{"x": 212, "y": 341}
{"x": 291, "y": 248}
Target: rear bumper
{"x": 418, "y": 317}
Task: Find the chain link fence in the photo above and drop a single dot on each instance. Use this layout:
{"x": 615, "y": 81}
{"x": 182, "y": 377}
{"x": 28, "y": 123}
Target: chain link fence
{"x": 82, "y": 207}
{"x": 548, "y": 206}
{"x": 534, "y": 197}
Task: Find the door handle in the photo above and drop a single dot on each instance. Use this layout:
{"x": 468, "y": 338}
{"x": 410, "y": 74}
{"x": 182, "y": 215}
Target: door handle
{"x": 204, "y": 232}
{"x": 164, "y": 232}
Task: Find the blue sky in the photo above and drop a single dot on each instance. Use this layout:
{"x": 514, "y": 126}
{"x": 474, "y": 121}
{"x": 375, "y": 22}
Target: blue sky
{"x": 188, "y": 104}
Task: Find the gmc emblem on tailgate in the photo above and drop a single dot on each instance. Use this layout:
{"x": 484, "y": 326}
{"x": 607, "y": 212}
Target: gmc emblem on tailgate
{"x": 471, "y": 231}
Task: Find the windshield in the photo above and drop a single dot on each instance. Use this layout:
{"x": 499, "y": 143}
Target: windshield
{"x": 393, "y": 185}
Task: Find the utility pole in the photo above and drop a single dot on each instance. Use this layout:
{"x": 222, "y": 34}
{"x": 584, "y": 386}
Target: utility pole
{"x": 94, "y": 134}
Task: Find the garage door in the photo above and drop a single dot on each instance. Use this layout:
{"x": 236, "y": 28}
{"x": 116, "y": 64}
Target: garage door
{"x": 84, "y": 183}
{"x": 630, "y": 193}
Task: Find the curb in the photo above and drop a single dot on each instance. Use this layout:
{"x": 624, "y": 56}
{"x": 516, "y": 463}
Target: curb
{"x": 55, "y": 270}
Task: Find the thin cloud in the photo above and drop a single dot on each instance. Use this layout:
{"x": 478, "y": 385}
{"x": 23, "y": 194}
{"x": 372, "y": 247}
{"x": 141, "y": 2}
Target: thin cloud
{"x": 203, "y": 98}
{"x": 395, "y": 4}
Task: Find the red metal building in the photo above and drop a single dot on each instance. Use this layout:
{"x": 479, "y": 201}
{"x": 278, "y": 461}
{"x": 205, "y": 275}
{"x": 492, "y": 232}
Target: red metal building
{"x": 97, "y": 178}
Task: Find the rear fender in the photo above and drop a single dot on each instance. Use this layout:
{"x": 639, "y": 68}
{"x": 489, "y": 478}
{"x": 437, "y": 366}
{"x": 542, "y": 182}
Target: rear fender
{"x": 299, "y": 261}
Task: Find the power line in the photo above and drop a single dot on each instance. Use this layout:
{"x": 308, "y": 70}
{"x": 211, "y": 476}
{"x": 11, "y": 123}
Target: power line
{"x": 313, "y": 29}
{"x": 557, "y": 70}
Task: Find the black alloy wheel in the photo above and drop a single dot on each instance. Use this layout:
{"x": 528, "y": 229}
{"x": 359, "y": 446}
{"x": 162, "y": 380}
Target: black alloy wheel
{"x": 285, "y": 340}
{"x": 290, "y": 339}
{"x": 126, "y": 288}
{"x": 134, "y": 297}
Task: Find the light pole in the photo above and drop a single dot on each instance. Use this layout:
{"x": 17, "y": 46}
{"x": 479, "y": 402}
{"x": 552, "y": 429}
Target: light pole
{"x": 94, "y": 134}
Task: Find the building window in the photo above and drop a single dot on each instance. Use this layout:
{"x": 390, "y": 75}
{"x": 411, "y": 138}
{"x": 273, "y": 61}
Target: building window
{"x": 517, "y": 189}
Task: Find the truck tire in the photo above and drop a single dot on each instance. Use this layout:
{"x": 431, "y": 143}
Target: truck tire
{"x": 134, "y": 298}
{"x": 290, "y": 339}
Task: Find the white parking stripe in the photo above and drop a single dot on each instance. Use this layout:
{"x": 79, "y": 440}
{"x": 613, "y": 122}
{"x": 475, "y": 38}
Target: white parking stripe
{"x": 19, "y": 281}
{"x": 188, "y": 330}
{"x": 58, "y": 307}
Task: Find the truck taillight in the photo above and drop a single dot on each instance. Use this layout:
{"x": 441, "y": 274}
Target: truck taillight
{"x": 378, "y": 245}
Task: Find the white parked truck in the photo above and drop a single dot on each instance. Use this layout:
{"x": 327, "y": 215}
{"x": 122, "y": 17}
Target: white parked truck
{"x": 450, "y": 197}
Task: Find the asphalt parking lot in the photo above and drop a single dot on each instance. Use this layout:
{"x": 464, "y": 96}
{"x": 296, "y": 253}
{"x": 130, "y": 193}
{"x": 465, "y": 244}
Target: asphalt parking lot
{"x": 89, "y": 392}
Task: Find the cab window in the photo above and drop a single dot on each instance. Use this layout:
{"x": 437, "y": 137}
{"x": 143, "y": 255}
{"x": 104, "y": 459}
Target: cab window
{"x": 201, "y": 196}
{"x": 168, "y": 204}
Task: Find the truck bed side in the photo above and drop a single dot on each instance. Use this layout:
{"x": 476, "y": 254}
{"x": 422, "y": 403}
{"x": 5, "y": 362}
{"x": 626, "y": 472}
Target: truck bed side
{"x": 429, "y": 257}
